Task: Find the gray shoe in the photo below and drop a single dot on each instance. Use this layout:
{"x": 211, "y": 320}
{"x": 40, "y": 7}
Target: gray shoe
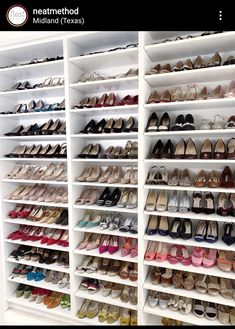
{"x": 173, "y": 203}
{"x": 184, "y": 205}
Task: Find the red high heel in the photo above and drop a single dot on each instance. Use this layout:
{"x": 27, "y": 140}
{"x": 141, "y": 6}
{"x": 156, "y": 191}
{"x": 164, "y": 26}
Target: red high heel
{"x": 37, "y": 234}
{"x": 16, "y": 234}
{"x": 25, "y": 211}
{"x": 14, "y": 212}
{"x": 125, "y": 100}
{"x": 111, "y": 100}
{"x": 29, "y": 233}
{"x": 102, "y": 101}
{"x": 64, "y": 239}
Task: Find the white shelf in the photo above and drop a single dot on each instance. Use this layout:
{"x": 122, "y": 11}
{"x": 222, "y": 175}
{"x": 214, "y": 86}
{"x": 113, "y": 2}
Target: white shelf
{"x": 207, "y": 104}
{"x": 34, "y": 159}
{"x": 214, "y": 271}
{"x": 191, "y": 76}
{"x": 36, "y": 203}
{"x": 34, "y": 138}
{"x": 108, "y": 300}
{"x": 189, "y": 162}
{"x": 58, "y": 311}
{"x": 97, "y": 184}
{"x": 220, "y": 245}
{"x": 32, "y": 115}
{"x": 57, "y": 91}
{"x": 177, "y": 315}
{"x": 192, "y": 216}
{"x": 109, "y": 209}
{"x": 190, "y": 188}
{"x": 34, "y": 70}
{"x": 32, "y": 181}
{"x": 120, "y": 161}
{"x": 191, "y": 47}
{"x": 53, "y": 267}
{"x": 99, "y": 86}
{"x": 107, "y": 232}
{"x": 34, "y": 223}
{"x": 116, "y": 255}
{"x": 193, "y": 133}
{"x": 38, "y": 245}
{"x": 185, "y": 293}
{"x": 40, "y": 284}
{"x": 107, "y": 59}
{"x": 106, "y": 110}
{"x": 111, "y": 136}
{"x": 109, "y": 278}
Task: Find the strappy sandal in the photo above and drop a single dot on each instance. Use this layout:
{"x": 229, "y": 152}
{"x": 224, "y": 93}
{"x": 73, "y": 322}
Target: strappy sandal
{"x": 213, "y": 287}
{"x": 198, "y": 308}
{"x": 166, "y": 277}
{"x": 114, "y": 268}
{"x": 113, "y": 314}
{"x": 223, "y": 261}
{"x": 133, "y": 272}
{"x": 103, "y": 266}
{"x": 189, "y": 281}
{"x": 226, "y": 289}
{"x": 103, "y": 313}
{"x": 123, "y": 272}
{"x": 211, "y": 311}
{"x": 155, "y": 275}
{"x": 201, "y": 285}
{"x": 177, "y": 279}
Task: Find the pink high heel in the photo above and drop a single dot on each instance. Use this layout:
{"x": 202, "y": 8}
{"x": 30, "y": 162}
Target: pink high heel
{"x": 39, "y": 192}
{"x": 94, "y": 243}
{"x": 197, "y": 256}
{"x": 134, "y": 249}
{"x": 59, "y": 194}
{"x": 186, "y": 259}
{"x": 209, "y": 259}
{"x": 103, "y": 247}
{"x": 28, "y": 194}
{"x": 161, "y": 252}
{"x": 126, "y": 248}
{"x": 113, "y": 245}
{"x": 150, "y": 253}
{"x": 84, "y": 243}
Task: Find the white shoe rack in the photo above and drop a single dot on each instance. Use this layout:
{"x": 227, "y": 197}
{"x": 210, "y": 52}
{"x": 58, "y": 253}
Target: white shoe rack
{"x": 148, "y": 53}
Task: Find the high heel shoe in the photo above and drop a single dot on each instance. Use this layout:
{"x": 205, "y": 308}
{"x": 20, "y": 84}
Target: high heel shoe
{"x": 118, "y": 126}
{"x": 215, "y": 60}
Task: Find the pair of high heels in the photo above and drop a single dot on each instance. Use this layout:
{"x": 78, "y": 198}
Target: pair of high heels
{"x": 38, "y": 151}
{"x": 40, "y": 193}
{"x": 48, "y": 128}
{"x": 106, "y": 101}
{"x": 111, "y": 125}
{"x": 49, "y": 172}
{"x": 130, "y": 151}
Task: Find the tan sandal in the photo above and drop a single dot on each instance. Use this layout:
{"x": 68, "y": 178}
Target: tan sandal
{"x": 166, "y": 277}
{"x": 213, "y": 287}
{"x": 226, "y": 289}
{"x": 155, "y": 275}
{"x": 177, "y": 279}
{"x": 223, "y": 261}
{"x": 189, "y": 281}
{"x": 201, "y": 285}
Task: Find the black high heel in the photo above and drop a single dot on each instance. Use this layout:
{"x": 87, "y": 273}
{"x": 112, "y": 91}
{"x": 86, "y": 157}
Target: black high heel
{"x": 179, "y": 122}
{"x": 44, "y": 150}
{"x": 89, "y": 128}
{"x": 63, "y": 151}
{"x": 45, "y": 127}
{"x": 56, "y": 125}
{"x": 52, "y": 153}
{"x": 157, "y": 150}
{"x": 113, "y": 199}
{"x": 152, "y": 124}
{"x": 165, "y": 122}
{"x": 129, "y": 126}
{"x": 104, "y": 196}
{"x": 35, "y": 151}
{"x": 86, "y": 150}
{"x": 26, "y": 153}
{"x": 15, "y": 132}
{"x": 26, "y": 130}
{"x": 119, "y": 125}
{"x": 227, "y": 236}
{"x": 109, "y": 125}
{"x": 61, "y": 130}
{"x": 94, "y": 153}
{"x": 99, "y": 127}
